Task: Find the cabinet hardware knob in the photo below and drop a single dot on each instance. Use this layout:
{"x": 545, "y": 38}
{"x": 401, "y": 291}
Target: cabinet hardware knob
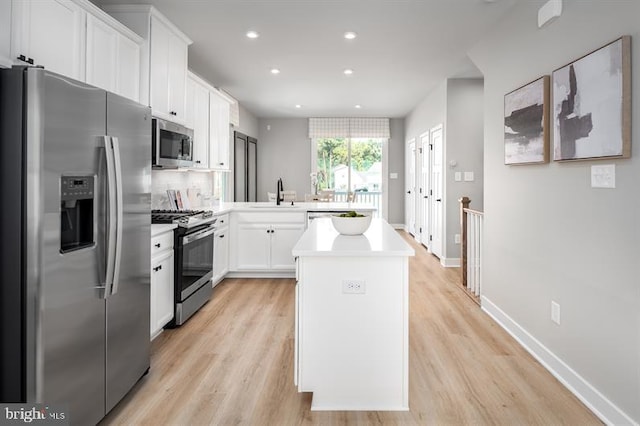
{"x": 222, "y": 236}
{"x": 408, "y": 192}
{"x": 22, "y": 58}
{"x": 30, "y": 61}
{"x": 158, "y": 245}
{"x": 438, "y": 199}
{"x": 222, "y": 164}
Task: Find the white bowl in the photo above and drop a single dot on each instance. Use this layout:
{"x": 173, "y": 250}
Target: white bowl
{"x": 351, "y": 225}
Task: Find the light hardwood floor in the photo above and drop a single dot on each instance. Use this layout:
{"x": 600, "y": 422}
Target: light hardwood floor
{"x": 232, "y": 364}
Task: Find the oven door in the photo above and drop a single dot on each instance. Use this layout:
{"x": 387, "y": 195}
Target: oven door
{"x": 195, "y": 261}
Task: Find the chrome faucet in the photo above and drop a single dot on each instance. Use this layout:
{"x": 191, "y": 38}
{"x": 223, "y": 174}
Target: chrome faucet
{"x": 279, "y": 194}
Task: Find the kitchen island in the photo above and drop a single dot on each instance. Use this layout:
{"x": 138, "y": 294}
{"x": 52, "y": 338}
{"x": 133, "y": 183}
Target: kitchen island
{"x": 352, "y": 318}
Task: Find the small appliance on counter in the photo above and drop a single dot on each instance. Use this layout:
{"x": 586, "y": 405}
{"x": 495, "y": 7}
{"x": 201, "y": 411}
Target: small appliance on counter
{"x": 193, "y": 245}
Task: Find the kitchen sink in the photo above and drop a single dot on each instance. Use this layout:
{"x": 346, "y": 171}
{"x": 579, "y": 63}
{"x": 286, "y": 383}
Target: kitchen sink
{"x": 274, "y": 206}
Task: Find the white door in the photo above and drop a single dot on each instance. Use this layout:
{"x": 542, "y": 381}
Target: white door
{"x": 410, "y": 202}
{"x": 177, "y": 77}
{"x": 197, "y": 117}
{"x": 423, "y": 193}
{"x": 159, "y": 60}
{"x": 283, "y": 238}
{"x": 128, "y": 68}
{"x": 253, "y": 246}
{"x": 437, "y": 190}
{"x": 102, "y": 50}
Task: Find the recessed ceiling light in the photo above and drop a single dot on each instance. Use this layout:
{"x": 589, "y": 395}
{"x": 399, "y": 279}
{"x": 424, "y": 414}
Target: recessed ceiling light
{"x": 348, "y": 71}
{"x": 298, "y": 106}
{"x": 252, "y": 34}
{"x": 350, "y": 35}
{"x": 358, "y": 106}
{"x": 275, "y": 71}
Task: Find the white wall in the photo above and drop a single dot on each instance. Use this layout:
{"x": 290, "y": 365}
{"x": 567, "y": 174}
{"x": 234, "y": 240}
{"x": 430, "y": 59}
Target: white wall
{"x": 248, "y": 123}
{"x": 548, "y": 234}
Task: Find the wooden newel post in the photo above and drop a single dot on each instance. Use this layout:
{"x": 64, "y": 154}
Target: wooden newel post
{"x": 464, "y": 204}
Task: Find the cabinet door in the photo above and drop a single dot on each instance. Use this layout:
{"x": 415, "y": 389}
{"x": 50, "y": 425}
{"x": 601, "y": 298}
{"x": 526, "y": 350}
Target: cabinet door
{"x": 219, "y": 132}
{"x": 128, "y": 68}
{"x": 161, "y": 292}
{"x": 159, "y": 60}
{"x": 177, "y": 74}
{"x": 5, "y": 34}
{"x": 253, "y": 246}
{"x": 102, "y": 54}
{"x": 197, "y": 117}
{"x": 51, "y": 32}
{"x": 283, "y": 238}
{"x": 220, "y": 254}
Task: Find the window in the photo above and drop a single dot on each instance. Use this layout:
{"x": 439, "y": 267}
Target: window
{"x": 351, "y": 165}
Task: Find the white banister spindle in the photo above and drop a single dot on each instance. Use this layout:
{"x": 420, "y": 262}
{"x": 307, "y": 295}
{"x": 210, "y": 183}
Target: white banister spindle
{"x": 474, "y": 250}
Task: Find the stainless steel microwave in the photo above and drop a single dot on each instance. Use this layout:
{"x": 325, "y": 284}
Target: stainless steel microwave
{"x": 172, "y": 145}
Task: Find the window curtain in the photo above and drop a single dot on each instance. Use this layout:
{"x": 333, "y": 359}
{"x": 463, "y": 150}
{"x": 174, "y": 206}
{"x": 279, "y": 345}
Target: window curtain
{"x": 349, "y": 128}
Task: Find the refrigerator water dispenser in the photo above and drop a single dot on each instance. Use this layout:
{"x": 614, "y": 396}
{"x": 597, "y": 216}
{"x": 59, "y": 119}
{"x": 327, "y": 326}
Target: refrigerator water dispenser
{"x": 76, "y": 213}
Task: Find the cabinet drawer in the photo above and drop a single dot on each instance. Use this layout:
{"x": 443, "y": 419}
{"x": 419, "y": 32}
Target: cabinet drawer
{"x": 223, "y": 221}
{"x": 270, "y": 217}
{"x": 161, "y": 242}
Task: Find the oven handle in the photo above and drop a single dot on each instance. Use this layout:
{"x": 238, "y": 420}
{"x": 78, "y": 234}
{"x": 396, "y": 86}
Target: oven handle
{"x": 198, "y": 235}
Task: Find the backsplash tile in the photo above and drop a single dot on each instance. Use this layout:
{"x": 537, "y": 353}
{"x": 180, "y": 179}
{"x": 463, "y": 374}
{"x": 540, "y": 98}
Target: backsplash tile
{"x": 204, "y": 188}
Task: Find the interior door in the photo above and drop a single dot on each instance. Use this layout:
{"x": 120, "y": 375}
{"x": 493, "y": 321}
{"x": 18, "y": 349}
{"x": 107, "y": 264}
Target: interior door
{"x": 252, "y": 166}
{"x": 423, "y": 194}
{"x": 437, "y": 190}
{"x": 240, "y": 167}
{"x": 410, "y": 201}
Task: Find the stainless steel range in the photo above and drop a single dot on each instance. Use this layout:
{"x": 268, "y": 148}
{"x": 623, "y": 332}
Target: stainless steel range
{"x": 193, "y": 245}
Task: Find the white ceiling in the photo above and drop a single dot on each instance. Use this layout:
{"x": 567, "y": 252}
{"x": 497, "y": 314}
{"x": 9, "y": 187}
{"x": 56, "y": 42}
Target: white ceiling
{"x": 403, "y": 50}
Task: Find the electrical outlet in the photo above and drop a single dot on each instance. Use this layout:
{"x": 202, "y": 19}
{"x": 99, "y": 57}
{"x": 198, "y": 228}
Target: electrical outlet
{"x": 353, "y": 287}
{"x": 555, "y": 312}
{"x": 456, "y": 238}
{"x": 603, "y": 176}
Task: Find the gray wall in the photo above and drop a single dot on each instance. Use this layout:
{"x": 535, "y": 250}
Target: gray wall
{"x": 248, "y": 123}
{"x": 548, "y": 234}
{"x": 284, "y": 151}
{"x": 458, "y": 105}
{"x": 464, "y": 137}
{"x": 395, "y": 192}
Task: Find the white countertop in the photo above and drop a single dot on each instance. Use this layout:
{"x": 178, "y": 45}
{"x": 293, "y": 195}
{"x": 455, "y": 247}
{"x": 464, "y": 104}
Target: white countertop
{"x": 321, "y": 239}
{"x": 286, "y": 206}
{"x": 161, "y": 228}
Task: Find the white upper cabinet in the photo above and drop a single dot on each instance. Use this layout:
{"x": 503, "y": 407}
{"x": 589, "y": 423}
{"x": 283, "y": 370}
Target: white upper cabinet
{"x": 5, "y": 34}
{"x": 113, "y": 58}
{"x": 197, "y": 118}
{"x": 49, "y": 33}
{"x": 219, "y": 131}
{"x": 168, "y": 71}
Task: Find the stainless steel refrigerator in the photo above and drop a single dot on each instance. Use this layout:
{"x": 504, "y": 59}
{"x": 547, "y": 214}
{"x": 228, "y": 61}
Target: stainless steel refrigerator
{"x": 75, "y": 171}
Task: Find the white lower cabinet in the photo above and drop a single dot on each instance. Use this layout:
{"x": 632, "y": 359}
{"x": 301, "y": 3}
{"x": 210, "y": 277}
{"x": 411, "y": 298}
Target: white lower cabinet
{"x": 221, "y": 250}
{"x": 263, "y": 241}
{"x": 161, "y": 293}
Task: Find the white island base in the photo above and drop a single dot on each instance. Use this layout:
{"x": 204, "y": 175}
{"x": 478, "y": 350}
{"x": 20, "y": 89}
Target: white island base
{"x": 352, "y": 318}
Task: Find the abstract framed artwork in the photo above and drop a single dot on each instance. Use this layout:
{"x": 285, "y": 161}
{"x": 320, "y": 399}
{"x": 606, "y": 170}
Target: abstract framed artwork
{"x": 526, "y": 123}
{"x": 592, "y": 105}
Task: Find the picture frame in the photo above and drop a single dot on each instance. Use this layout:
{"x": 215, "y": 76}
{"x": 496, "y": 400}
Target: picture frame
{"x": 526, "y": 123}
{"x": 592, "y": 105}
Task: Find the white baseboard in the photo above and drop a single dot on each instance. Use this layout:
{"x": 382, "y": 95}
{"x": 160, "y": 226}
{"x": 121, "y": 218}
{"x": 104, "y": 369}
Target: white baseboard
{"x": 260, "y": 274}
{"x": 606, "y": 410}
{"x": 450, "y": 262}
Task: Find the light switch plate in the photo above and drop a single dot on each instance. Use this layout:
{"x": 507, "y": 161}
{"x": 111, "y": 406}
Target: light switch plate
{"x": 603, "y": 176}
{"x": 458, "y": 176}
{"x": 468, "y": 176}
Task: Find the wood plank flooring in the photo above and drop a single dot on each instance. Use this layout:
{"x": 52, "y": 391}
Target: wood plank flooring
{"x": 232, "y": 364}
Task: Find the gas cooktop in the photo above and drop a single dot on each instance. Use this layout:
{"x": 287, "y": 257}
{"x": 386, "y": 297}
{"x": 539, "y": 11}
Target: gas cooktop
{"x": 184, "y": 218}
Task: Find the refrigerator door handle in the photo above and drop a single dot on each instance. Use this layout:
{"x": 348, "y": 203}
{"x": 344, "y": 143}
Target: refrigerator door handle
{"x": 115, "y": 144}
{"x": 111, "y": 216}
